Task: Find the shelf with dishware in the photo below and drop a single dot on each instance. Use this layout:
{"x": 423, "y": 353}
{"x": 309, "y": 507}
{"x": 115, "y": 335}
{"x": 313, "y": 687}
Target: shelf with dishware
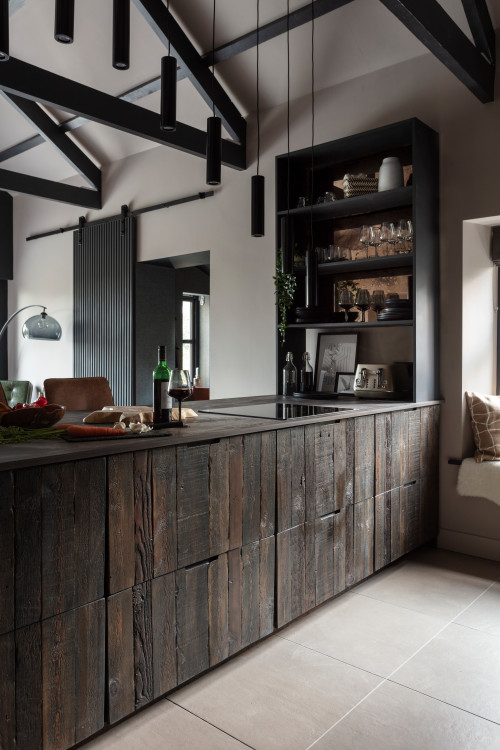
{"x": 374, "y": 255}
{"x": 357, "y": 205}
{"x": 354, "y": 326}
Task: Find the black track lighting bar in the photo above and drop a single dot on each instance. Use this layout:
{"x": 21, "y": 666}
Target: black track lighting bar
{"x": 121, "y": 34}
{"x": 34, "y": 83}
{"x": 64, "y": 21}
{"x": 167, "y": 29}
{"x": 4, "y": 30}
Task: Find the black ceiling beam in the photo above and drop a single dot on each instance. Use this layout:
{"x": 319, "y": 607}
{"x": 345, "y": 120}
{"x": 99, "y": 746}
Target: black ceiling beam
{"x": 224, "y": 52}
{"x": 167, "y": 29}
{"x": 56, "y": 191}
{"x": 50, "y": 130}
{"x": 441, "y": 35}
{"x": 31, "y": 82}
{"x": 479, "y": 20}
{"x": 273, "y": 29}
{"x": 14, "y": 5}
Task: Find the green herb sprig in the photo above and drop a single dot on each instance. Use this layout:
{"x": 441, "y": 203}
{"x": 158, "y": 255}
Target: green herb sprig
{"x": 285, "y": 285}
{"x": 20, "y": 435}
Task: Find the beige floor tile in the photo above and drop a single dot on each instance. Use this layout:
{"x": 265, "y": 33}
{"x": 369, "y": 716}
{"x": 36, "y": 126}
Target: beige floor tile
{"x": 364, "y": 632}
{"x": 460, "y": 666}
{"x": 164, "y": 726}
{"x": 435, "y": 582}
{"x": 484, "y": 614}
{"x": 395, "y": 718}
{"x": 277, "y": 695}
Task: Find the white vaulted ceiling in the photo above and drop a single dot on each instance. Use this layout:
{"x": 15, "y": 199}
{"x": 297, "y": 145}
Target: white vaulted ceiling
{"x": 351, "y": 41}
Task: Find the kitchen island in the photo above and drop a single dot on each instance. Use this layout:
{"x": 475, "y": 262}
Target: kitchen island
{"x": 131, "y": 566}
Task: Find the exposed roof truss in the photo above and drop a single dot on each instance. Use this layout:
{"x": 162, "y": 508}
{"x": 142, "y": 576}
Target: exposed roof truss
{"x": 25, "y": 85}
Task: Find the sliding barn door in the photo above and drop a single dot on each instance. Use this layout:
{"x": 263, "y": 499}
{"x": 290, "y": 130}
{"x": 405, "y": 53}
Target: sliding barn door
{"x": 104, "y": 267}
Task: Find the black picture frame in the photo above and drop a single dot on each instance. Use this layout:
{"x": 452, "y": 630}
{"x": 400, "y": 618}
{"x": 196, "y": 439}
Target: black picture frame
{"x": 335, "y": 352}
{"x": 341, "y": 380}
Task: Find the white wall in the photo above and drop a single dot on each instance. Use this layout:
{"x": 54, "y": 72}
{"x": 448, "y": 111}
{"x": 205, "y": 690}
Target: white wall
{"x": 242, "y": 355}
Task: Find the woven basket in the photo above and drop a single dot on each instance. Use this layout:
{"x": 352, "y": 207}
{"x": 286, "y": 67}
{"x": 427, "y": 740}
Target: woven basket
{"x": 359, "y": 184}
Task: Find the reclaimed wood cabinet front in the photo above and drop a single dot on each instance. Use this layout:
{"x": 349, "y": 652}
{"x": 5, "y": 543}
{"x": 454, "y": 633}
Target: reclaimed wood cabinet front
{"x": 124, "y": 577}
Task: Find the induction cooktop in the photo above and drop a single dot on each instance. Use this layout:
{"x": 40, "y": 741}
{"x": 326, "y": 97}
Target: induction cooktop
{"x": 276, "y": 411}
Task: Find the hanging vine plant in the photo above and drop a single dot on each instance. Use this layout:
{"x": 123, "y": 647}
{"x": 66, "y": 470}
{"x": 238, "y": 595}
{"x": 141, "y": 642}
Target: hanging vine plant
{"x": 285, "y": 285}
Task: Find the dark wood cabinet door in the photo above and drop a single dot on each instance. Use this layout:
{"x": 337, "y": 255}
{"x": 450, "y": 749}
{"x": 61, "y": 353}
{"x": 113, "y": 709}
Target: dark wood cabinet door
{"x": 364, "y": 458}
{"x": 363, "y": 540}
{"x": 295, "y": 573}
{"x": 397, "y": 449}
{"x": 290, "y": 478}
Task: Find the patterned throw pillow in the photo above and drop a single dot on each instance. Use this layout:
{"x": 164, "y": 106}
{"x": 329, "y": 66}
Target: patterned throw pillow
{"x": 485, "y": 419}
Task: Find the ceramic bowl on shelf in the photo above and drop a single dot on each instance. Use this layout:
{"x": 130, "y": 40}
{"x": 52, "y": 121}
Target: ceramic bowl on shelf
{"x": 33, "y": 417}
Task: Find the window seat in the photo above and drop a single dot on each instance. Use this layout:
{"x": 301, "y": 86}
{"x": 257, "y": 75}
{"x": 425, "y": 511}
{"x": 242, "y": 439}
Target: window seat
{"x": 479, "y": 479}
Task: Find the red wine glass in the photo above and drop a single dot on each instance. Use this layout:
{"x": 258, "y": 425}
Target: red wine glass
{"x": 180, "y": 386}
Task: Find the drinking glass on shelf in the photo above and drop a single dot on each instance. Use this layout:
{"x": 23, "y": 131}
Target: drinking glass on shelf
{"x": 180, "y": 387}
{"x": 388, "y": 235}
{"x": 364, "y": 237}
{"x": 378, "y": 300}
{"x": 404, "y": 234}
{"x": 375, "y": 239}
{"x": 346, "y": 301}
{"x": 363, "y": 302}
{"x": 409, "y": 236}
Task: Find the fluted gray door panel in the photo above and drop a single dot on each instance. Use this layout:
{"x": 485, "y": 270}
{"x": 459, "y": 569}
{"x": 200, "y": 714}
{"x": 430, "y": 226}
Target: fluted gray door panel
{"x": 103, "y": 277}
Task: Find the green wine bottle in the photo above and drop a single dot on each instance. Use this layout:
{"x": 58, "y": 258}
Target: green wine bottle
{"x": 162, "y": 402}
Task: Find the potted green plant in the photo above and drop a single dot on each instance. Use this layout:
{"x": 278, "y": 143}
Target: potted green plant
{"x": 285, "y": 285}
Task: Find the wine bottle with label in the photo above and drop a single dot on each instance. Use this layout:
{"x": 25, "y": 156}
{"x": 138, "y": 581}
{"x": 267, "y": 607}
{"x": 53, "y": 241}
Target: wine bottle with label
{"x": 306, "y": 374}
{"x": 289, "y": 376}
{"x": 162, "y": 402}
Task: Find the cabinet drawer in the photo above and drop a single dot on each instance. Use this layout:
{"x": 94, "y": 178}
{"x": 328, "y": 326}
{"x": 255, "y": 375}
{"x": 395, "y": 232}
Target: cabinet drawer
{"x": 53, "y": 676}
{"x": 364, "y": 458}
{"x": 329, "y": 467}
{"x": 54, "y": 517}
{"x": 397, "y": 449}
{"x": 363, "y": 540}
{"x": 295, "y": 573}
{"x": 401, "y": 523}
{"x": 333, "y": 553}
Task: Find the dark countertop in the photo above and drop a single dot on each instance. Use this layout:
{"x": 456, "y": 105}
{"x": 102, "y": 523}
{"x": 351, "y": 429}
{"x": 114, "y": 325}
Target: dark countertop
{"x": 205, "y": 427}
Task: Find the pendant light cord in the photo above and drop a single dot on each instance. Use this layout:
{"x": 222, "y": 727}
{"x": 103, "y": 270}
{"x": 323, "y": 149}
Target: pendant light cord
{"x": 258, "y": 97}
{"x": 312, "y": 123}
{"x": 288, "y": 104}
{"x": 168, "y": 26}
{"x": 213, "y": 61}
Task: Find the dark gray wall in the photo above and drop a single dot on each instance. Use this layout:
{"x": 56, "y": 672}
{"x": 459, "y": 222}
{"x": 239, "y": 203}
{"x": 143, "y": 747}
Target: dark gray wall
{"x": 154, "y": 324}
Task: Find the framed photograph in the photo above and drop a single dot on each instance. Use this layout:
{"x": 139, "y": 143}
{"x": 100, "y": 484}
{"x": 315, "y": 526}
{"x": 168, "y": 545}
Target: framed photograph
{"x": 344, "y": 382}
{"x": 336, "y": 352}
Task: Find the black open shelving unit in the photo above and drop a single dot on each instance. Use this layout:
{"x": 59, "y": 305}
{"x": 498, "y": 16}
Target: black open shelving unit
{"x": 417, "y": 145}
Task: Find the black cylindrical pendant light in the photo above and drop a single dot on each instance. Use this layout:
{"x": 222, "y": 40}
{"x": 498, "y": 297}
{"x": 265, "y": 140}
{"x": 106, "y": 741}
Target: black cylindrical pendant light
{"x": 214, "y": 150}
{"x": 121, "y": 34}
{"x": 214, "y": 137}
{"x": 257, "y": 205}
{"x": 64, "y": 21}
{"x": 4, "y": 30}
{"x": 168, "y": 93}
{"x": 168, "y": 112}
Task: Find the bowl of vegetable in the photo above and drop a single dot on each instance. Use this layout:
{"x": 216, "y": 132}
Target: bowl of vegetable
{"x": 32, "y": 416}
